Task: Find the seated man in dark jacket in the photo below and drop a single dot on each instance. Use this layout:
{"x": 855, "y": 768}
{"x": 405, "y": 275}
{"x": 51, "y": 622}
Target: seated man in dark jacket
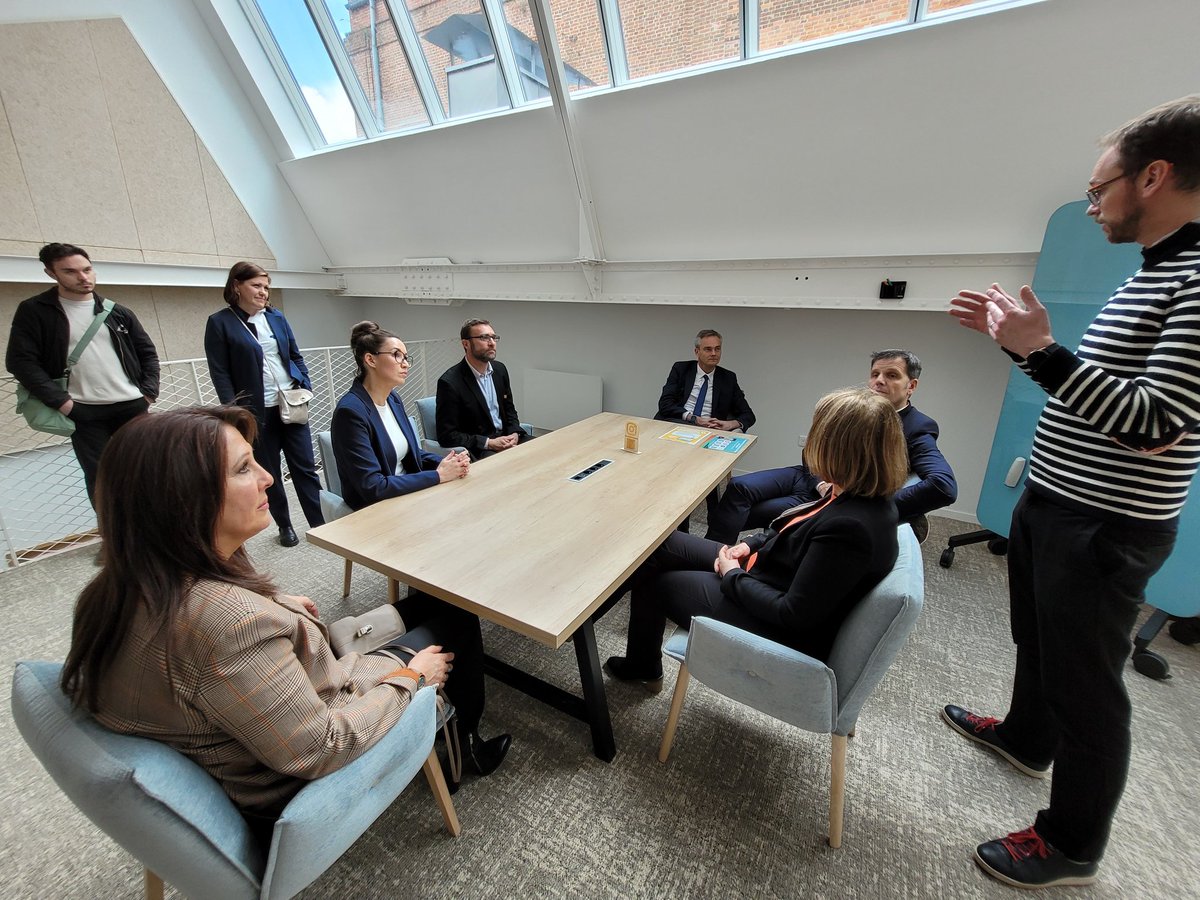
{"x": 702, "y": 393}
{"x": 753, "y": 500}
{"x": 474, "y": 397}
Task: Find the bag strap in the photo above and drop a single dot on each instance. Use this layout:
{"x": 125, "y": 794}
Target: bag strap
{"x": 449, "y": 727}
{"x": 97, "y": 321}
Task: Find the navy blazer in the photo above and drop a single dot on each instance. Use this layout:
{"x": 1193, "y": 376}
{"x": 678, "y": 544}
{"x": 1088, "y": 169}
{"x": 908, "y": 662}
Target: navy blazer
{"x": 365, "y": 456}
{"x": 808, "y": 577}
{"x": 235, "y": 359}
{"x": 937, "y": 487}
{"x": 463, "y": 419}
{"x": 728, "y": 401}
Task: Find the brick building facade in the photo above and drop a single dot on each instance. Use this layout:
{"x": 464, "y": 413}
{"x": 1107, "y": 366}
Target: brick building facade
{"x": 660, "y": 36}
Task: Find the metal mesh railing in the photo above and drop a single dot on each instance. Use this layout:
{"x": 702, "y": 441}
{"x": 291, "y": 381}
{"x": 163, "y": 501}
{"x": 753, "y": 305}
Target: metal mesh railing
{"x": 43, "y": 503}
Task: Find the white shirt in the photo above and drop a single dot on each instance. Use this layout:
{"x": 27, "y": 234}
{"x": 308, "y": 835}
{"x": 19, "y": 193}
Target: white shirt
{"x": 489, "y": 393}
{"x": 275, "y": 373}
{"x": 98, "y": 377}
{"x": 392, "y": 427}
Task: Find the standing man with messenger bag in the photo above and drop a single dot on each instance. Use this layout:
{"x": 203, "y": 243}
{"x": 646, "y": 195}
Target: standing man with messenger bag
{"x": 115, "y": 377}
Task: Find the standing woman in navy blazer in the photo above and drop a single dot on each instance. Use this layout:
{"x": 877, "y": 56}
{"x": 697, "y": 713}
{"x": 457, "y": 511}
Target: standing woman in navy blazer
{"x": 378, "y": 457}
{"x": 251, "y": 349}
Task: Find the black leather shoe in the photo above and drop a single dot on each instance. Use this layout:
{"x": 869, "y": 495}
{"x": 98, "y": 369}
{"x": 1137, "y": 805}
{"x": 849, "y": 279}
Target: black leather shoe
{"x": 1186, "y": 631}
{"x": 287, "y": 536}
{"x": 982, "y": 730}
{"x": 621, "y": 669}
{"x": 1024, "y": 860}
{"x": 486, "y": 756}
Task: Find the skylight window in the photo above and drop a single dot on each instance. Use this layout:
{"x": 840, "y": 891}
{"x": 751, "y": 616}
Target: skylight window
{"x": 358, "y": 69}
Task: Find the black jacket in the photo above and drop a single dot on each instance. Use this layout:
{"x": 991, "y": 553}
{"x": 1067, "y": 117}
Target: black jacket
{"x": 728, "y": 400}
{"x": 39, "y": 342}
{"x": 808, "y": 577}
{"x": 463, "y": 419}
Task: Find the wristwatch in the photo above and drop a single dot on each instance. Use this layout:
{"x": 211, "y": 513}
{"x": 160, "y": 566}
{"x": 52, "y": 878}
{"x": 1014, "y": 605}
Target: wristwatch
{"x": 1037, "y": 357}
{"x": 415, "y": 675}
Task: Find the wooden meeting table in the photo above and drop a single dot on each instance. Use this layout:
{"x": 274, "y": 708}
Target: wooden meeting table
{"x": 521, "y": 543}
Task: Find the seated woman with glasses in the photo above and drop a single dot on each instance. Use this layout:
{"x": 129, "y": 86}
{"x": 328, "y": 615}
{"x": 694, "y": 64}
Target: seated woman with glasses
{"x": 378, "y": 457}
{"x": 796, "y": 582}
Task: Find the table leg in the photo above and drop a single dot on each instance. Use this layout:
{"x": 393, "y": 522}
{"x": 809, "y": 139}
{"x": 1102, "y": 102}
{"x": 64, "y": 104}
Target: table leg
{"x": 603, "y": 744}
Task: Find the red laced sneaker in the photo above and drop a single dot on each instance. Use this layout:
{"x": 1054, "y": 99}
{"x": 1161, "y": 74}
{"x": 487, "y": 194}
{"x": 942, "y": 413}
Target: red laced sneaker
{"x": 1025, "y": 860}
{"x": 982, "y": 730}
{"x": 1024, "y": 844}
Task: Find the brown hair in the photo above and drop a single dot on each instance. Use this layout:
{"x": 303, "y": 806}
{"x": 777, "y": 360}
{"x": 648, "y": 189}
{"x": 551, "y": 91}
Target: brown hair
{"x": 1170, "y": 131}
{"x": 52, "y": 253}
{"x": 239, "y": 272}
{"x": 367, "y": 337}
{"x": 159, "y": 493}
{"x": 464, "y": 333}
{"x": 856, "y": 442}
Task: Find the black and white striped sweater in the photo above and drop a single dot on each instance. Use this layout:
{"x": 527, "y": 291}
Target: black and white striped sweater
{"x": 1131, "y": 389}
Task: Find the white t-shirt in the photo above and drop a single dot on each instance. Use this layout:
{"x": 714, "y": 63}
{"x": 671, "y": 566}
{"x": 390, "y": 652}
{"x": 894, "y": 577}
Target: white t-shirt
{"x": 98, "y": 377}
{"x": 399, "y": 442}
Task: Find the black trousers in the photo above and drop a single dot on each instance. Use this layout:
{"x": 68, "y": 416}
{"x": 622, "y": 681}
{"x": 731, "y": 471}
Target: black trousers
{"x": 1075, "y": 583}
{"x": 295, "y": 442}
{"x": 678, "y": 582}
{"x": 428, "y": 620}
{"x": 94, "y": 425}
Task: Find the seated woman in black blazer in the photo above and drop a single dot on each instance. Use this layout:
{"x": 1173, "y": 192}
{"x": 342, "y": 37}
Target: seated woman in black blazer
{"x": 378, "y": 457}
{"x": 796, "y": 582}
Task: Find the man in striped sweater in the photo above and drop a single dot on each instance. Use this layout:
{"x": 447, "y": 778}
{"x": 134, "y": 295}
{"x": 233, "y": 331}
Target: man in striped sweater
{"x": 1115, "y": 450}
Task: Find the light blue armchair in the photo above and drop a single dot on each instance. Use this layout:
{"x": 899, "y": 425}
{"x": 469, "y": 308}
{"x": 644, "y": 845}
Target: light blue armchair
{"x": 821, "y": 697}
{"x": 175, "y": 819}
{"x": 332, "y": 505}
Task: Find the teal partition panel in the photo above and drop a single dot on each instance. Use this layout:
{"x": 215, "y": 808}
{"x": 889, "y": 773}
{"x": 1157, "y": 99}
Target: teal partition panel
{"x": 1077, "y": 271}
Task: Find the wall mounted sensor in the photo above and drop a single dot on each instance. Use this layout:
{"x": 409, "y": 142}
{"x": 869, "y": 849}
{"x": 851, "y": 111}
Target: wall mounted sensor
{"x": 892, "y": 290}
{"x": 1015, "y": 471}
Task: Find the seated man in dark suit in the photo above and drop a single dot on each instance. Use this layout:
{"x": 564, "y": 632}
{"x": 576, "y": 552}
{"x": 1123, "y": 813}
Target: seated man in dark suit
{"x": 754, "y": 500}
{"x": 474, "y": 397}
{"x": 702, "y": 393}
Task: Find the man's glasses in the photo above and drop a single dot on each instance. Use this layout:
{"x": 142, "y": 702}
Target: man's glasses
{"x": 1093, "y": 193}
{"x": 401, "y": 358}
{"x": 489, "y": 338}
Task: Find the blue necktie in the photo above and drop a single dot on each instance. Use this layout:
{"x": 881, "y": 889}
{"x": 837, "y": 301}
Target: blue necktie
{"x": 700, "y": 397}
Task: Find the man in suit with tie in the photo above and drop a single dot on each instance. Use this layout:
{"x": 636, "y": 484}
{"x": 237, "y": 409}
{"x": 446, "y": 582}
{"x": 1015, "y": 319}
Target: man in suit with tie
{"x": 474, "y": 397}
{"x": 704, "y": 394}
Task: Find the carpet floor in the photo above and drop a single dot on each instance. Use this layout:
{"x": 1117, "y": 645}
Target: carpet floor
{"x": 739, "y": 810}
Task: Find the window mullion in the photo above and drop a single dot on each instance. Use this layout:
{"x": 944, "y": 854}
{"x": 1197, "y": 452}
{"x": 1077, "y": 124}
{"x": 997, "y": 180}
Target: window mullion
{"x": 502, "y": 44}
{"x": 345, "y": 69}
{"x": 917, "y": 10}
{"x": 614, "y": 40}
{"x": 418, "y": 63}
{"x": 749, "y": 28}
